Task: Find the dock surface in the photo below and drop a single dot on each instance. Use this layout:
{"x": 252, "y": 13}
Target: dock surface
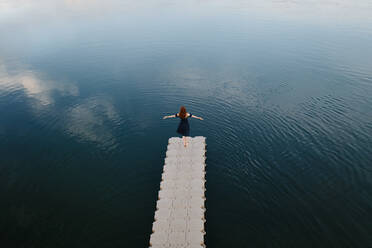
{"x": 179, "y": 216}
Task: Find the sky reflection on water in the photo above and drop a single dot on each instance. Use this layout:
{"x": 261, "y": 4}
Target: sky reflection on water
{"x": 285, "y": 88}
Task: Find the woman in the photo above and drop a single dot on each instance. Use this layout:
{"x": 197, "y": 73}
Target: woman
{"x": 183, "y": 127}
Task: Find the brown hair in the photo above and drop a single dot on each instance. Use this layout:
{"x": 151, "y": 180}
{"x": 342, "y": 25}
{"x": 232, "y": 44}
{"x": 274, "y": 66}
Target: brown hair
{"x": 182, "y": 113}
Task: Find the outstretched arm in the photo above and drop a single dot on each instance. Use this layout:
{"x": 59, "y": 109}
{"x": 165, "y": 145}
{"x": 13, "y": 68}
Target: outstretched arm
{"x": 197, "y": 117}
{"x": 168, "y": 116}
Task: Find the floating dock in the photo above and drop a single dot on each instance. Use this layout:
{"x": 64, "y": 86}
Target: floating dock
{"x": 179, "y": 218}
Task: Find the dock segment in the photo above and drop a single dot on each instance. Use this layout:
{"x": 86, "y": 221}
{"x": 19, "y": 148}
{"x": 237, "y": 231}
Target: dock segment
{"x": 179, "y": 218}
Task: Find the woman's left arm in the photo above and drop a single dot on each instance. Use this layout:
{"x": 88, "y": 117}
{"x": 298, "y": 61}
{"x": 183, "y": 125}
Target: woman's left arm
{"x": 197, "y": 117}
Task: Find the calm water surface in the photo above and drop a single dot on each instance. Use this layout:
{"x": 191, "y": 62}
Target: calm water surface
{"x": 285, "y": 88}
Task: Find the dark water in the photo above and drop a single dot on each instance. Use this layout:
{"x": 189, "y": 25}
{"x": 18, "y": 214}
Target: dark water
{"x": 285, "y": 88}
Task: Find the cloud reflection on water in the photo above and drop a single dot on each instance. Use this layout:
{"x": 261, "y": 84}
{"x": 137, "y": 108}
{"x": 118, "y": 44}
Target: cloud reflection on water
{"x": 34, "y": 85}
{"x": 90, "y": 120}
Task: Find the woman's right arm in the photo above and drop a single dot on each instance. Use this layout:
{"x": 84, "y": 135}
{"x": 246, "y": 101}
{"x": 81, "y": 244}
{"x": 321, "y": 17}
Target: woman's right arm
{"x": 168, "y": 116}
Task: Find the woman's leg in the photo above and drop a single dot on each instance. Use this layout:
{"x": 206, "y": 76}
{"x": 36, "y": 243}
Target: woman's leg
{"x": 184, "y": 141}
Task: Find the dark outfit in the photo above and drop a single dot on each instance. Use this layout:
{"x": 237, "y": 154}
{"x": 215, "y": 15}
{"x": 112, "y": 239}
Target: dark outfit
{"x": 184, "y": 127}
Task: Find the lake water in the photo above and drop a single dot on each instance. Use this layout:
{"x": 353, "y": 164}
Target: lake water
{"x": 284, "y": 87}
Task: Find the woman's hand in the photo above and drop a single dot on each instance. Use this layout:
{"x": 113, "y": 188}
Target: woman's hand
{"x": 165, "y": 117}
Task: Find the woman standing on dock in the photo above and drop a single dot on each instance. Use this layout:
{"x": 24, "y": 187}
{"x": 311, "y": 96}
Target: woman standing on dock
{"x": 183, "y": 127}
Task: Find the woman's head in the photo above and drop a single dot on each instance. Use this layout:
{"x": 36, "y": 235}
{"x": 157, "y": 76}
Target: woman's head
{"x": 182, "y": 112}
